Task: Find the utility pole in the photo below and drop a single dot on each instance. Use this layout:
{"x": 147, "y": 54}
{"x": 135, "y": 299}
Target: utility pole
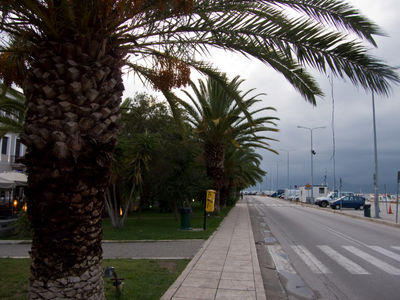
{"x": 397, "y": 198}
{"x": 376, "y": 160}
{"x": 287, "y": 167}
{"x": 312, "y": 154}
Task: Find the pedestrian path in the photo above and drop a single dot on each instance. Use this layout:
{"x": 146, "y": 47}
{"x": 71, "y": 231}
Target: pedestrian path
{"x": 365, "y": 260}
{"x": 226, "y": 267}
{"x": 157, "y": 249}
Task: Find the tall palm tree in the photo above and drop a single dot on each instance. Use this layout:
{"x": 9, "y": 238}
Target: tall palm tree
{"x": 222, "y": 115}
{"x": 68, "y": 56}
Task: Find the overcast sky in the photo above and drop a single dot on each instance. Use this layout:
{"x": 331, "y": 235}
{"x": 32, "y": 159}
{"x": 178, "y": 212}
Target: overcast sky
{"x": 353, "y": 118}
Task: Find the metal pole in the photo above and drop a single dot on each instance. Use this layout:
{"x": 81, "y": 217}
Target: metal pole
{"x": 397, "y": 198}
{"x": 288, "y": 182}
{"x": 277, "y": 175}
{"x": 312, "y": 170}
{"x": 386, "y": 200}
{"x": 376, "y": 159}
{"x": 312, "y": 167}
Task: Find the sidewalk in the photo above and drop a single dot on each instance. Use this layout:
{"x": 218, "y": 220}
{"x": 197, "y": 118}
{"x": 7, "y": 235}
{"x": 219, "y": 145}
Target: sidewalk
{"x": 226, "y": 267}
{"x": 156, "y": 249}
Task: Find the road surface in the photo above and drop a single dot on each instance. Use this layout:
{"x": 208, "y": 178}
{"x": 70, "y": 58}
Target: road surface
{"x": 321, "y": 255}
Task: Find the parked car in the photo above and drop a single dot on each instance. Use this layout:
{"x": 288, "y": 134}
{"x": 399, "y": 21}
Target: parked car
{"x": 324, "y": 201}
{"x": 356, "y": 202}
{"x": 278, "y": 193}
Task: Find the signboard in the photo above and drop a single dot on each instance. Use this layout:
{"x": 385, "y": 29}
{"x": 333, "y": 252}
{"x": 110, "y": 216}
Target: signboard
{"x": 210, "y": 199}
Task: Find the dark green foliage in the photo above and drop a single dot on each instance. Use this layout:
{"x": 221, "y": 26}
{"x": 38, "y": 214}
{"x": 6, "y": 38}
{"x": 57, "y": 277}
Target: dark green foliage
{"x": 154, "y": 164}
{"x": 23, "y": 225}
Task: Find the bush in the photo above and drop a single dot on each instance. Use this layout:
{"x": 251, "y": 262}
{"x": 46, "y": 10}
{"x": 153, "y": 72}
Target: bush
{"x": 23, "y": 225}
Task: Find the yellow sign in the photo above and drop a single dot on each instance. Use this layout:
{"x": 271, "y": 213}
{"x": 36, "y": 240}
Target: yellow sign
{"x": 210, "y": 200}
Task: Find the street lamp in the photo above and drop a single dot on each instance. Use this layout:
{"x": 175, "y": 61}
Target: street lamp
{"x": 287, "y": 171}
{"x": 376, "y": 160}
{"x": 312, "y": 153}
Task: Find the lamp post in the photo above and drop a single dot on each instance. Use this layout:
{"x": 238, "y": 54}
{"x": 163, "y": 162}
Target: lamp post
{"x": 287, "y": 171}
{"x": 312, "y": 153}
{"x": 376, "y": 160}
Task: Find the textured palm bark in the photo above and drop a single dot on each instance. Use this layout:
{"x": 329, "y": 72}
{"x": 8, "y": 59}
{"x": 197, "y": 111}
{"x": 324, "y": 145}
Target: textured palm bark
{"x": 73, "y": 92}
{"x": 214, "y": 157}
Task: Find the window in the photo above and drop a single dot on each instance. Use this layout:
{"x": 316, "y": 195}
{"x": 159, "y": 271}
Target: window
{"x": 4, "y": 145}
{"x": 17, "y": 148}
{"x": 322, "y": 190}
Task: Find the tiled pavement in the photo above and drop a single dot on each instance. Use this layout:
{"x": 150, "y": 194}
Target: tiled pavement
{"x": 226, "y": 267}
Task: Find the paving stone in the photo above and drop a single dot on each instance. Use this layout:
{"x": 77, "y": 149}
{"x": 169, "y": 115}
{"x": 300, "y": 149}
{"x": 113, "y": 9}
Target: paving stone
{"x": 232, "y": 284}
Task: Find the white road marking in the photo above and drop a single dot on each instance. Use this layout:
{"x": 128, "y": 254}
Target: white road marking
{"x": 388, "y": 253}
{"x": 310, "y": 260}
{"x": 346, "y": 263}
{"x": 396, "y": 247}
{"x": 380, "y": 264}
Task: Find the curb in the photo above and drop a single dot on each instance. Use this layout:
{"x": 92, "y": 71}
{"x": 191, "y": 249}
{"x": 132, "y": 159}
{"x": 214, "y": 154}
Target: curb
{"x": 178, "y": 282}
{"x": 18, "y": 242}
{"x": 258, "y": 280}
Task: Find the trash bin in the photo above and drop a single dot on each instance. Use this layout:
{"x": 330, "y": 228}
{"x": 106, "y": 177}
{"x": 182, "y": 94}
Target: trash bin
{"x": 367, "y": 210}
{"x": 186, "y": 218}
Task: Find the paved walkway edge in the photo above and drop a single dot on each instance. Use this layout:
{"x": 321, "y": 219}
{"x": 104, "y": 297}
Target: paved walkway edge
{"x": 178, "y": 282}
{"x": 258, "y": 282}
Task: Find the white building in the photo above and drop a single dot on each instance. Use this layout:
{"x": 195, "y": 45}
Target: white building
{"x": 11, "y": 149}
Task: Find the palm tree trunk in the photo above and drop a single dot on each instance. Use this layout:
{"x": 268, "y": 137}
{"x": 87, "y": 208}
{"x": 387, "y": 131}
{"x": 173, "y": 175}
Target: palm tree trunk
{"x": 214, "y": 157}
{"x": 73, "y": 91}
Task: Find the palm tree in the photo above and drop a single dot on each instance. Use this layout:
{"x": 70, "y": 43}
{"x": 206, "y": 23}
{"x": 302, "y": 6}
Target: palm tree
{"x": 242, "y": 169}
{"x": 221, "y": 115}
{"x": 12, "y": 106}
{"x": 68, "y": 56}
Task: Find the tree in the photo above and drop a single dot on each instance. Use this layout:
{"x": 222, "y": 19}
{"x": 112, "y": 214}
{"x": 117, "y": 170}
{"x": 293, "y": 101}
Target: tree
{"x": 242, "y": 169}
{"x": 68, "y": 56}
{"x": 173, "y": 173}
{"x": 12, "y": 106}
{"x": 221, "y": 116}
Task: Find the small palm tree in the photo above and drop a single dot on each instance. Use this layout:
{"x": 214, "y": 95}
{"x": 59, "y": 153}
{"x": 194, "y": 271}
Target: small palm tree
{"x": 242, "y": 169}
{"x": 221, "y": 115}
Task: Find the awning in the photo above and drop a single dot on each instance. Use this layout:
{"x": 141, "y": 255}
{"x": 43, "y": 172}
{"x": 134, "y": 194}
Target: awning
{"x": 17, "y": 178}
{"x": 6, "y": 184}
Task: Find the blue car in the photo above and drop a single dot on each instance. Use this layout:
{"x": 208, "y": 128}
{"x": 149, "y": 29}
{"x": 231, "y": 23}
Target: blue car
{"x": 356, "y": 202}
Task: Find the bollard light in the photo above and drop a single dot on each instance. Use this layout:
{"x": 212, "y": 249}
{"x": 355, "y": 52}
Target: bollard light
{"x": 109, "y": 272}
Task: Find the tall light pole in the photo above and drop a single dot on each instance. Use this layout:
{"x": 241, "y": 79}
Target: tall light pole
{"x": 277, "y": 175}
{"x": 312, "y": 152}
{"x": 376, "y": 160}
{"x": 287, "y": 171}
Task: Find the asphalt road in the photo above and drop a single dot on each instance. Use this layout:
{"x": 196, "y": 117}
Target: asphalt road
{"x": 173, "y": 249}
{"x": 321, "y": 255}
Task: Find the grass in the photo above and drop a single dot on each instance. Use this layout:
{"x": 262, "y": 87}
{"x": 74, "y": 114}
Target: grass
{"x": 153, "y": 225}
{"x": 143, "y": 279}
{"x": 161, "y": 226}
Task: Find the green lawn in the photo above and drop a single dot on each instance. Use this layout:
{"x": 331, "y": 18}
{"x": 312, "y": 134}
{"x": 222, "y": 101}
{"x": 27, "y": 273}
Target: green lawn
{"x": 161, "y": 226}
{"x": 153, "y": 225}
{"x": 143, "y": 279}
